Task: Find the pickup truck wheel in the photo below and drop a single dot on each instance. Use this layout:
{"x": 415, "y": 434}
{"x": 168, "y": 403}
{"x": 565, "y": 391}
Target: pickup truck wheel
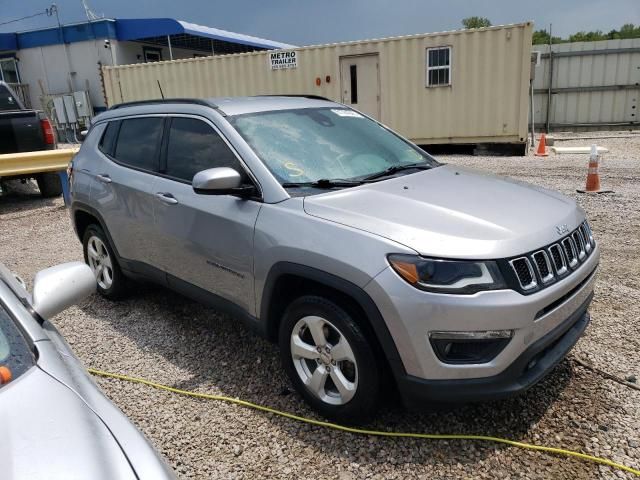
{"x": 49, "y": 185}
{"x": 329, "y": 359}
{"x": 99, "y": 256}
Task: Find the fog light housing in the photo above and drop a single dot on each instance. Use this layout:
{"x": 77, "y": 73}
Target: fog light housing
{"x": 469, "y": 347}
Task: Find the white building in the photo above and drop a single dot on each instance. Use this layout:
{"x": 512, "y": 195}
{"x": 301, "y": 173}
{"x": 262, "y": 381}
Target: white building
{"x": 62, "y": 60}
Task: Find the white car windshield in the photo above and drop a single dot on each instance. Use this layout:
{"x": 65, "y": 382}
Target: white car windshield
{"x": 311, "y": 144}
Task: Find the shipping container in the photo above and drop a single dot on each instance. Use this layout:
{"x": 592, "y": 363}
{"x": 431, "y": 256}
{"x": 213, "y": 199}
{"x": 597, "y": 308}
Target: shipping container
{"x": 458, "y": 87}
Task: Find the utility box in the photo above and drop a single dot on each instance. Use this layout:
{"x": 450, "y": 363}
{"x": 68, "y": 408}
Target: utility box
{"x": 458, "y": 87}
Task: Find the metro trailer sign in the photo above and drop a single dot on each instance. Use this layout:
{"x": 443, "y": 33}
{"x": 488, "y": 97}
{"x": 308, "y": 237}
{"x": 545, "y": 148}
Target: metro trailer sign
{"x": 283, "y": 59}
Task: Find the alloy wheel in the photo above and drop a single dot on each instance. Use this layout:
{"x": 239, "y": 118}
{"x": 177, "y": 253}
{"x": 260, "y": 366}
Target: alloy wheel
{"x": 324, "y": 360}
{"x": 100, "y": 262}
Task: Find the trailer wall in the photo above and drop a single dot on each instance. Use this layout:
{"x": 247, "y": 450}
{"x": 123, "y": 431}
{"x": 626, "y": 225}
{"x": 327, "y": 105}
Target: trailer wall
{"x": 486, "y": 102}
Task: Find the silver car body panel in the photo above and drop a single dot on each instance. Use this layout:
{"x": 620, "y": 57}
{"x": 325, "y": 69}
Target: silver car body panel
{"x": 206, "y": 240}
{"x": 452, "y": 212}
{"x": 345, "y": 252}
{"x": 61, "y": 424}
{"x": 410, "y": 320}
{"x": 126, "y": 204}
{"x": 48, "y": 432}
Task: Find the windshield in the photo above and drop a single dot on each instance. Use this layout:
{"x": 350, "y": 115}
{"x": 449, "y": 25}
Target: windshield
{"x": 15, "y": 356}
{"x": 7, "y": 100}
{"x": 307, "y": 145}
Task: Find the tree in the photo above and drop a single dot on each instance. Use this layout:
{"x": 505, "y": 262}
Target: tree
{"x": 628, "y": 30}
{"x": 587, "y": 36}
{"x": 541, "y": 37}
{"x": 476, "y": 22}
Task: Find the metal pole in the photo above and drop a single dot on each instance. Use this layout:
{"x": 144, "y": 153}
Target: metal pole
{"x": 550, "y": 78}
{"x": 170, "y": 49}
{"x": 54, "y": 9}
{"x": 533, "y": 118}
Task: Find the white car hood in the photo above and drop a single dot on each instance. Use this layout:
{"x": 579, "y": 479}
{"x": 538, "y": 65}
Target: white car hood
{"x": 452, "y": 212}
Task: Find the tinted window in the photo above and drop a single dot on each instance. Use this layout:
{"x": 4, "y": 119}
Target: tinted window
{"x": 108, "y": 136}
{"x": 138, "y": 142}
{"x": 194, "y": 146}
{"x": 15, "y": 355}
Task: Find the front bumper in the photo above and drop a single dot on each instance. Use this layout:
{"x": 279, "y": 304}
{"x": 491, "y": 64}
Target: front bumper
{"x": 537, "y": 321}
{"x": 528, "y": 369}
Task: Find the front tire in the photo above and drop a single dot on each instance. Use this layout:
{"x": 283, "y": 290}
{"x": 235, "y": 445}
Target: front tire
{"x": 329, "y": 359}
{"x": 99, "y": 255}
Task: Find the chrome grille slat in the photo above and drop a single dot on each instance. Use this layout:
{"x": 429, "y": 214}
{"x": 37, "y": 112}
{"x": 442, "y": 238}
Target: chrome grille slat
{"x": 585, "y": 237}
{"x": 524, "y": 272}
{"x": 576, "y": 236}
{"x": 544, "y": 266}
{"x": 570, "y": 251}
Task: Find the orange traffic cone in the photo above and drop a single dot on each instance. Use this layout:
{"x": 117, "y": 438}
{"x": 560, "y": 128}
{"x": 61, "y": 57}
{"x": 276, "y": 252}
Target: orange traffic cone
{"x": 542, "y": 147}
{"x": 593, "y": 177}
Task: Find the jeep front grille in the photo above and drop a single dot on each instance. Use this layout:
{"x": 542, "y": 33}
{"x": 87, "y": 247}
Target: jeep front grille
{"x": 546, "y": 265}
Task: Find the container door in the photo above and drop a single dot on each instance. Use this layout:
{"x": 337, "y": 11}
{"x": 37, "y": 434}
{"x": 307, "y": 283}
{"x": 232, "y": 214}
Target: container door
{"x": 360, "y": 83}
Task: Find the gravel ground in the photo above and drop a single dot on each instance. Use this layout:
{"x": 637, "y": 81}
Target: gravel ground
{"x": 169, "y": 339}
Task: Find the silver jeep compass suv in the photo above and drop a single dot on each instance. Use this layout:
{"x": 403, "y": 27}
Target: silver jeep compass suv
{"x": 371, "y": 264}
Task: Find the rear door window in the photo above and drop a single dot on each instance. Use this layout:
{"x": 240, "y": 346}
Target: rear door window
{"x": 15, "y": 355}
{"x": 138, "y": 143}
{"x": 194, "y": 146}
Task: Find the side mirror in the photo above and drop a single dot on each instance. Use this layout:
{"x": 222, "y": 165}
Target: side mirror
{"x": 220, "y": 181}
{"x": 57, "y": 288}
{"x": 83, "y": 135}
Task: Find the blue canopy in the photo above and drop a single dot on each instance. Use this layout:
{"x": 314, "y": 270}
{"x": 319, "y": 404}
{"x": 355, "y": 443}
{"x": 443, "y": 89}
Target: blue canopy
{"x": 135, "y": 29}
{"x": 188, "y": 34}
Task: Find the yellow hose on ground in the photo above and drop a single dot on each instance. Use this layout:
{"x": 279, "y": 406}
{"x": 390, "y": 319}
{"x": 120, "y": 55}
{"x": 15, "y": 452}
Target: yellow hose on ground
{"x": 361, "y": 431}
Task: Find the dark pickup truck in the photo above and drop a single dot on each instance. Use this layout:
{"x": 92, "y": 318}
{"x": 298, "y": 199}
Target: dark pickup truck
{"x": 25, "y": 130}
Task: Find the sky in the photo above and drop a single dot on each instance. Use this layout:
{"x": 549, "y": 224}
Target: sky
{"x": 308, "y": 22}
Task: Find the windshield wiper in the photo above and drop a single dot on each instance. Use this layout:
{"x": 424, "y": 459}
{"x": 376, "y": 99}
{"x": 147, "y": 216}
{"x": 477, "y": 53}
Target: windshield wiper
{"x": 324, "y": 183}
{"x": 398, "y": 168}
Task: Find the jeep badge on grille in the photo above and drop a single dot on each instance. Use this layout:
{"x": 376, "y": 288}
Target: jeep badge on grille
{"x": 562, "y": 229}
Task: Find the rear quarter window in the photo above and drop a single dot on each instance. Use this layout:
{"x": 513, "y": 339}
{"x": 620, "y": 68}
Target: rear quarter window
{"x": 138, "y": 143}
{"x": 107, "y": 141}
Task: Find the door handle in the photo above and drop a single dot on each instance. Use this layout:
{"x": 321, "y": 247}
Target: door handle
{"x": 166, "y": 198}
{"x": 104, "y": 178}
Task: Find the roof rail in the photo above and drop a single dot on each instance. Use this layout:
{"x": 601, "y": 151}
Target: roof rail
{"x": 302, "y": 95}
{"x": 196, "y": 101}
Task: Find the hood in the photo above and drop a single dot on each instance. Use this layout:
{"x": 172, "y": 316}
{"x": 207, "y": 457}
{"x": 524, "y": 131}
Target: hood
{"x": 452, "y": 212}
{"x": 48, "y": 432}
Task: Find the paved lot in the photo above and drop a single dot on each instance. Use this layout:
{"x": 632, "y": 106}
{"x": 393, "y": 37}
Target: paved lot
{"x": 169, "y": 339}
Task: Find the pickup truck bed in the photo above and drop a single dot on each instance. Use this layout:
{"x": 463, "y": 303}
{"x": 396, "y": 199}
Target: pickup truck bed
{"x": 25, "y": 130}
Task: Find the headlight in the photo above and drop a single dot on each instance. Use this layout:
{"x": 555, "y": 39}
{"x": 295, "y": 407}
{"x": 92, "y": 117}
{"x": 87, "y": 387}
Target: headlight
{"x": 447, "y": 276}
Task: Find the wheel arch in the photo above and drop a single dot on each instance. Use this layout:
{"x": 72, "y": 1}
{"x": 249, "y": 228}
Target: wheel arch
{"x": 83, "y": 215}
{"x": 287, "y": 281}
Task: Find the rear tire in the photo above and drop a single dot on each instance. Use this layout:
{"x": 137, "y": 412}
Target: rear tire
{"x": 98, "y": 254}
{"x": 49, "y": 184}
{"x": 329, "y": 360}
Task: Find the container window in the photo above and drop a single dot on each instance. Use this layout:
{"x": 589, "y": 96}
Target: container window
{"x": 438, "y": 66}
{"x": 353, "y": 71}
